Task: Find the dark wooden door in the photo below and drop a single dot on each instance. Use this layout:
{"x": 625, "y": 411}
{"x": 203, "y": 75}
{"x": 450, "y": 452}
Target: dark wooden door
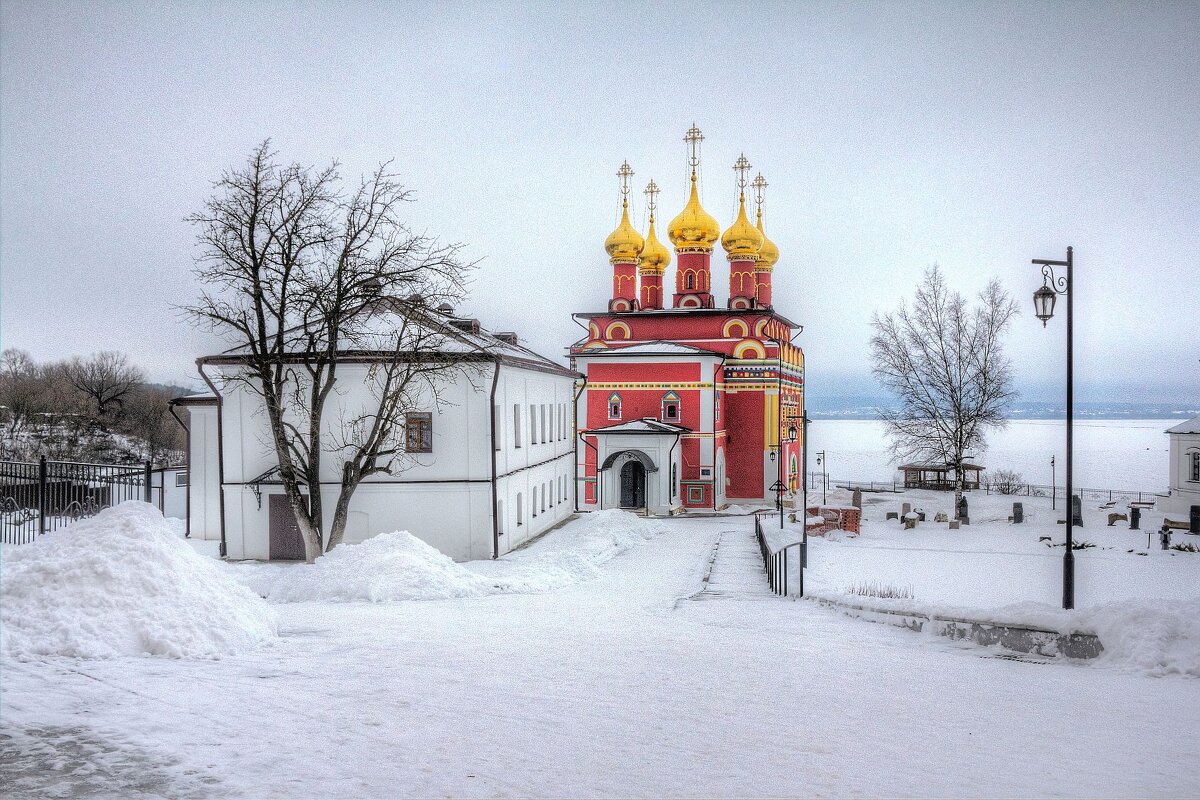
{"x": 633, "y": 485}
{"x": 287, "y": 542}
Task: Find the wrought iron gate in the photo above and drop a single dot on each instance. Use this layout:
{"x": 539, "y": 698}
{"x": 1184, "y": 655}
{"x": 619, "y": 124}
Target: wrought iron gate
{"x": 36, "y": 497}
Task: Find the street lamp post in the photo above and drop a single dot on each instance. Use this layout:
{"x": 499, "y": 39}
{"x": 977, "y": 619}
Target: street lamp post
{"x": 1043, "y": 303}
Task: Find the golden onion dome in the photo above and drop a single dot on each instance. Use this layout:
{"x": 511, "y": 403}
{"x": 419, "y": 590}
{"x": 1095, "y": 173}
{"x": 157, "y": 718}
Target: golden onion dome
{"x": 694, "y": 230}
{"x": 768, "y": 254}
{"x": 742, "y": 241}
{"x": 655, "y": 255}
{"x": 625, "y": 243}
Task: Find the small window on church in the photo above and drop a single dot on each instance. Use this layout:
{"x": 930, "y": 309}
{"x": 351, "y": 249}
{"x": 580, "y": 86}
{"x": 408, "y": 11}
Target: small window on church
{"x": 614, "y": 407}
{"x": 418, "y": 432}
{"x": 691, "y": 281}
{"x": 1196, "y": 467}
{"x": 670, "y": 407}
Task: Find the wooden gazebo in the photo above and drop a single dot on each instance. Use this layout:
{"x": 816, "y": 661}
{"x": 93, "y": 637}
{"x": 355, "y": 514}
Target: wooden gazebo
{"x": 939, "y": 476}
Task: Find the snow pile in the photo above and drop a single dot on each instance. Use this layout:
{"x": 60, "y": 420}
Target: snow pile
{"x": 399, "y": 566}
{"x": 122, "y": 583}
{"x": 1157, "y": 638}
{"x": 571, "y": 554}
{"x": 390, "y": 566}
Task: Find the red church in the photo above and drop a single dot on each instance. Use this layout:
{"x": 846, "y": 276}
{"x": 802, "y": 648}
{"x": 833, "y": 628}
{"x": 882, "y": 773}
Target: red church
{"x": 691, "y": 406}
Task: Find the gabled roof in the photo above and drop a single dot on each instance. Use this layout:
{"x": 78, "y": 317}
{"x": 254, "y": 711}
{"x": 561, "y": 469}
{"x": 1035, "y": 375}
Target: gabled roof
{"x": 644, "y": 425}
{"x": 377, "y": 325}
{"x": 659, "y": 347}
{"x": 1191, "y": 426}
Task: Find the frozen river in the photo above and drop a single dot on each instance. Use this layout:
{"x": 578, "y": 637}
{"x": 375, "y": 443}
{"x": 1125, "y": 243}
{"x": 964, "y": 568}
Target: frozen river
{"x": 1109, "y": 454}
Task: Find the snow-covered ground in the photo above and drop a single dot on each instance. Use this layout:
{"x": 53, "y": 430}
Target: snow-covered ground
{"x": 604, "y": 684}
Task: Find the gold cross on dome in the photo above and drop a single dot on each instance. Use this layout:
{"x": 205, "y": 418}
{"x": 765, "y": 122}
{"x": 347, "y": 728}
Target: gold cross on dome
{"x": 760, "y": 185}
{"x": 652, "y": 197}
{"x": 694, "y": 137}
{"x": 625, "y": 173}
{"x": 741, "y": 167}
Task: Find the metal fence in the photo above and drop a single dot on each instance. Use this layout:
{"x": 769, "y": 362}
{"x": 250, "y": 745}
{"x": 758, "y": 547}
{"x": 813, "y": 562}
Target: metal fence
{"x": 1020, "y": 489}
{"x": 775, "y": 562}
{"x": 41, "y": 496}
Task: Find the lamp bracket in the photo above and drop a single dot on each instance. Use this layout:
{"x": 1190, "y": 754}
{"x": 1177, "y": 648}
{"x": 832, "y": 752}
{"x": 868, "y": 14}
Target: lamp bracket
{"x": 1059, "y": 283}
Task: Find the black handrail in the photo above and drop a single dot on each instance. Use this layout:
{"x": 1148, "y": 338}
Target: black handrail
{"x": 775, "y": 562}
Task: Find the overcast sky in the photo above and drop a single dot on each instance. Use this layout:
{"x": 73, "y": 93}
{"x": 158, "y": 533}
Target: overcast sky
{"x": 893, "y": 136}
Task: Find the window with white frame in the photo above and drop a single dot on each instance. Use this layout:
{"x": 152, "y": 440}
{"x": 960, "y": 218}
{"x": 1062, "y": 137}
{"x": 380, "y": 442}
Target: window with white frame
{"x": 533, "y": 424}
{"x": 1195, "y": 467}
{"x": 516, "y": 428}
{"x": 533, "y": 512}
{"x": 520, "y": 511}
{"x": 496, "y": 432}
{"x": 670, "y": 407}
{"x": 614, "y": 406}
{"x": 544, "y": 422}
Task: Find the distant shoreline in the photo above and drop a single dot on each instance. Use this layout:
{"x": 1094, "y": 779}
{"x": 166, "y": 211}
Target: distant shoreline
{"x": 852, "y": 416}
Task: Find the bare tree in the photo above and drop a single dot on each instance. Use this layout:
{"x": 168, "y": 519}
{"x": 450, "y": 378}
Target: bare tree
{"x": 147, "y": 418}
{"x": 944, "y": 362}
{"x": 20, "y": 393}
{"x": 305, "y": 280}
{"x": 105, "y": 379}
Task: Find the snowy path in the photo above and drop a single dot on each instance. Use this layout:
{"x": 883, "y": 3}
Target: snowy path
{"x": 737, "y": 569}
{"x": 608, "y": 688}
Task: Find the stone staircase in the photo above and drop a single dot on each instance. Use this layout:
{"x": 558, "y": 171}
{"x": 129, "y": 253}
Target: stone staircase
{"x": 736, "y": 571}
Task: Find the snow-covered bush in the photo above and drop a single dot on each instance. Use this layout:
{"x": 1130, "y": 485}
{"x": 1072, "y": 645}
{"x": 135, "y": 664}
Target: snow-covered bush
{"x": 122, "y": 583}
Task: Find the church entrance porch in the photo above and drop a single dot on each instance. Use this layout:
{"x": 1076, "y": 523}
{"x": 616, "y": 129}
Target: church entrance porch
{"x": 633, "y": 485}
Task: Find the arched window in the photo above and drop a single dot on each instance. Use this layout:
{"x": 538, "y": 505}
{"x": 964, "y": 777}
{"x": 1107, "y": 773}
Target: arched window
{"x": 614, "y": 406}
{"x": 690, "y": 281}
{"x": 670, "y": 407}
{"x": 520, "y": 517}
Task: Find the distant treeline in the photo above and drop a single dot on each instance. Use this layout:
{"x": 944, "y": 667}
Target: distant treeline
{"x": 95, "y": 408}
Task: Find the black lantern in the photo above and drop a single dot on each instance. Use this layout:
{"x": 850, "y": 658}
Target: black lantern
{"x": 791, "y": 433}
{"x": 1043, "y": 303}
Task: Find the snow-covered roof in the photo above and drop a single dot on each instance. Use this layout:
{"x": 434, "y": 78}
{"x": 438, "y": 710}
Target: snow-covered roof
{"x": 376, "y": 329}
{"x": 1191, "y": 426}
{"x": 200, "y": 398}
{"x": 654, "y": 348}
{"x": 644, "y": 425}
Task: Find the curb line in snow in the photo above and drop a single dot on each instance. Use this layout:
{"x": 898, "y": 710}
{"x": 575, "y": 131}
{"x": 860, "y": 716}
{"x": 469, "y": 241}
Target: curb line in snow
{"x": 1011, "y": 637}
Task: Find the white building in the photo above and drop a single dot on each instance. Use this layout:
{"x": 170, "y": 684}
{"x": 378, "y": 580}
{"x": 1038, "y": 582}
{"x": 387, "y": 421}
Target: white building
{"x": 1185, "y": 468}
{"x": 491, "y": 464}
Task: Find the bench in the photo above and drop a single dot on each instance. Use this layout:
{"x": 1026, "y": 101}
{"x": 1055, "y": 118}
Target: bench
{"x": 1174, "y": 525}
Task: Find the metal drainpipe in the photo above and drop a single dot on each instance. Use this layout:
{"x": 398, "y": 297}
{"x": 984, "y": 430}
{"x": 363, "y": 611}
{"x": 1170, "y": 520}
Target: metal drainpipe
{"x": 599, "y": 497}
{"x": 220, "y": 450}
{"x": 187, "y": 494}
{"x": 578, "y": 435}
{"x": 721, "y": 369}
{"x": 492, "y": 416}
{"x": 671, "y": 461}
